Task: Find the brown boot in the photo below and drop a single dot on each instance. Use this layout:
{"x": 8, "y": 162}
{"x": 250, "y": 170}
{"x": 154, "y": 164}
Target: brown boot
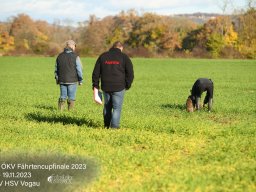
{"x": 61, "y": 104}
{"x": 71, "y": 104}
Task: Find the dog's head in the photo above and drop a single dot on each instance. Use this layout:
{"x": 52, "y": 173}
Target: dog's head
{"x": 189, "y": 104}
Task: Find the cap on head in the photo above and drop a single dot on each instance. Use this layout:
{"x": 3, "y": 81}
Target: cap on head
{"x": 70, "y": 43}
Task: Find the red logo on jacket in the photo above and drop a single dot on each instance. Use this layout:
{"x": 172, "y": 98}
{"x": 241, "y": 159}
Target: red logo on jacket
{"x": 112, "y": 62}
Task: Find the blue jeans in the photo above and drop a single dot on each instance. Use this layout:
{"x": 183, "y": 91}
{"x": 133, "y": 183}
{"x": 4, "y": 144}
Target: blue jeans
{"x": 113, "y": 102}
{"x": 68, "y": 90}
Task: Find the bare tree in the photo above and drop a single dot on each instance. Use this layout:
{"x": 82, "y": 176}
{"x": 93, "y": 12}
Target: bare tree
{"x": 251, "y": 4}
{"x": 224, "y": 6}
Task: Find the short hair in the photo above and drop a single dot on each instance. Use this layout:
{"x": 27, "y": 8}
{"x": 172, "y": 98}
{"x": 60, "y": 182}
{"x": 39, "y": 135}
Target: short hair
{"x": 117, "y": 44}
{"x": 70, "y": 43}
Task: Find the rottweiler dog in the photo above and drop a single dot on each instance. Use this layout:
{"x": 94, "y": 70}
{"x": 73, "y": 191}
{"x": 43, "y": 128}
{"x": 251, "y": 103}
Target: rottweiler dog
{"x": 201, "y": 85}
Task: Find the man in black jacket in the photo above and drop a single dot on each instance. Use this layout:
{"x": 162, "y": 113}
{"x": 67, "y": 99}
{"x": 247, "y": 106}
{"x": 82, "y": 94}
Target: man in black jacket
{"x": 115, "y": 71}
{"x": 201, "y": 85}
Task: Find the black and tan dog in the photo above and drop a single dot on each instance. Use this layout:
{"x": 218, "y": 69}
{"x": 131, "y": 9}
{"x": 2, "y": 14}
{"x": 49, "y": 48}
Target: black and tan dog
{"x": 201, "y": 85}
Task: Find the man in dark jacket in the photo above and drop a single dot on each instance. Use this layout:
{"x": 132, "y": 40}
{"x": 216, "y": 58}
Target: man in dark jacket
{"x": 115, "y": 71}
{"x": 68, "y": 71}
{"x": 201, "y": 85}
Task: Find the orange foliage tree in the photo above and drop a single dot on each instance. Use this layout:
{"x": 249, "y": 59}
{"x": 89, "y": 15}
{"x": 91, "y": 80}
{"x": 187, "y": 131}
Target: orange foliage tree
{"x": 6, "y": 43}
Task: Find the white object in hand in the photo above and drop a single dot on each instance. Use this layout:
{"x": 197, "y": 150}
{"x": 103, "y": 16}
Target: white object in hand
{"x": 96, "y": 96}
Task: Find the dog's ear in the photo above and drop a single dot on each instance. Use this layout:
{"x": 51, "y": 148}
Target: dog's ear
{"x": 190, "y": 90}
{"x": 191, "y": 97}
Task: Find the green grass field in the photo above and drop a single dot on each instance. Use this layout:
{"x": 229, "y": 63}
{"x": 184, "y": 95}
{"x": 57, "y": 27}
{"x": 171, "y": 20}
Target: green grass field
{"x": 160, "y": 146}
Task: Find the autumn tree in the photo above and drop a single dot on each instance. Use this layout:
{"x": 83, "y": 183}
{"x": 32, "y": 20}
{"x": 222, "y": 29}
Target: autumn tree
{"x": 214, "y": 36}
{"x": 122, "y": 26}
{"x": 247, "y": 33}
{"x": 39, "y": 37}
{"x": 6, "y": 43}
{"x": 24, "y": 31}
{"x": 158, "y": 34}
{"x": 146, "y": 35}
{"x": 95, "y": 35}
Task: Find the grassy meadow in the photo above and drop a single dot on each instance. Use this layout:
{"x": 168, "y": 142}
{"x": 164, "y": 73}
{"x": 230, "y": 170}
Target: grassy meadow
{"x": 160, "y": 147}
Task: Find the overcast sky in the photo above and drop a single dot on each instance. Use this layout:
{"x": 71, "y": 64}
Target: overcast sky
{"x": 79, "y": 10}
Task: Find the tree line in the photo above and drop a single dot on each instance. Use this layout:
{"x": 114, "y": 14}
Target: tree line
{"x": 147, "y": 35}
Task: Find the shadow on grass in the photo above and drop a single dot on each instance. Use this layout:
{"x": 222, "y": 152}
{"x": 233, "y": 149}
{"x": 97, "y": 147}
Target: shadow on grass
{"x": 174, "y": 106}
{"x": 61, "y": 118}
{"x": 47, "y": 107}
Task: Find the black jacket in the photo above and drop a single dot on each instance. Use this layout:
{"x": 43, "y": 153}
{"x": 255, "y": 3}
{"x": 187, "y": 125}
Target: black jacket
{"x": 114, "y": 69}
{"x": 201, "y": 85}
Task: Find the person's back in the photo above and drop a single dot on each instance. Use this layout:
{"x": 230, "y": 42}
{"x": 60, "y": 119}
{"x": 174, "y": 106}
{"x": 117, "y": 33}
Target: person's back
{"x": 112, "y": 70}
{"x": 201, "y": 85}
{"x": 115, "y": 71}
{"x": 66, "y": 67}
